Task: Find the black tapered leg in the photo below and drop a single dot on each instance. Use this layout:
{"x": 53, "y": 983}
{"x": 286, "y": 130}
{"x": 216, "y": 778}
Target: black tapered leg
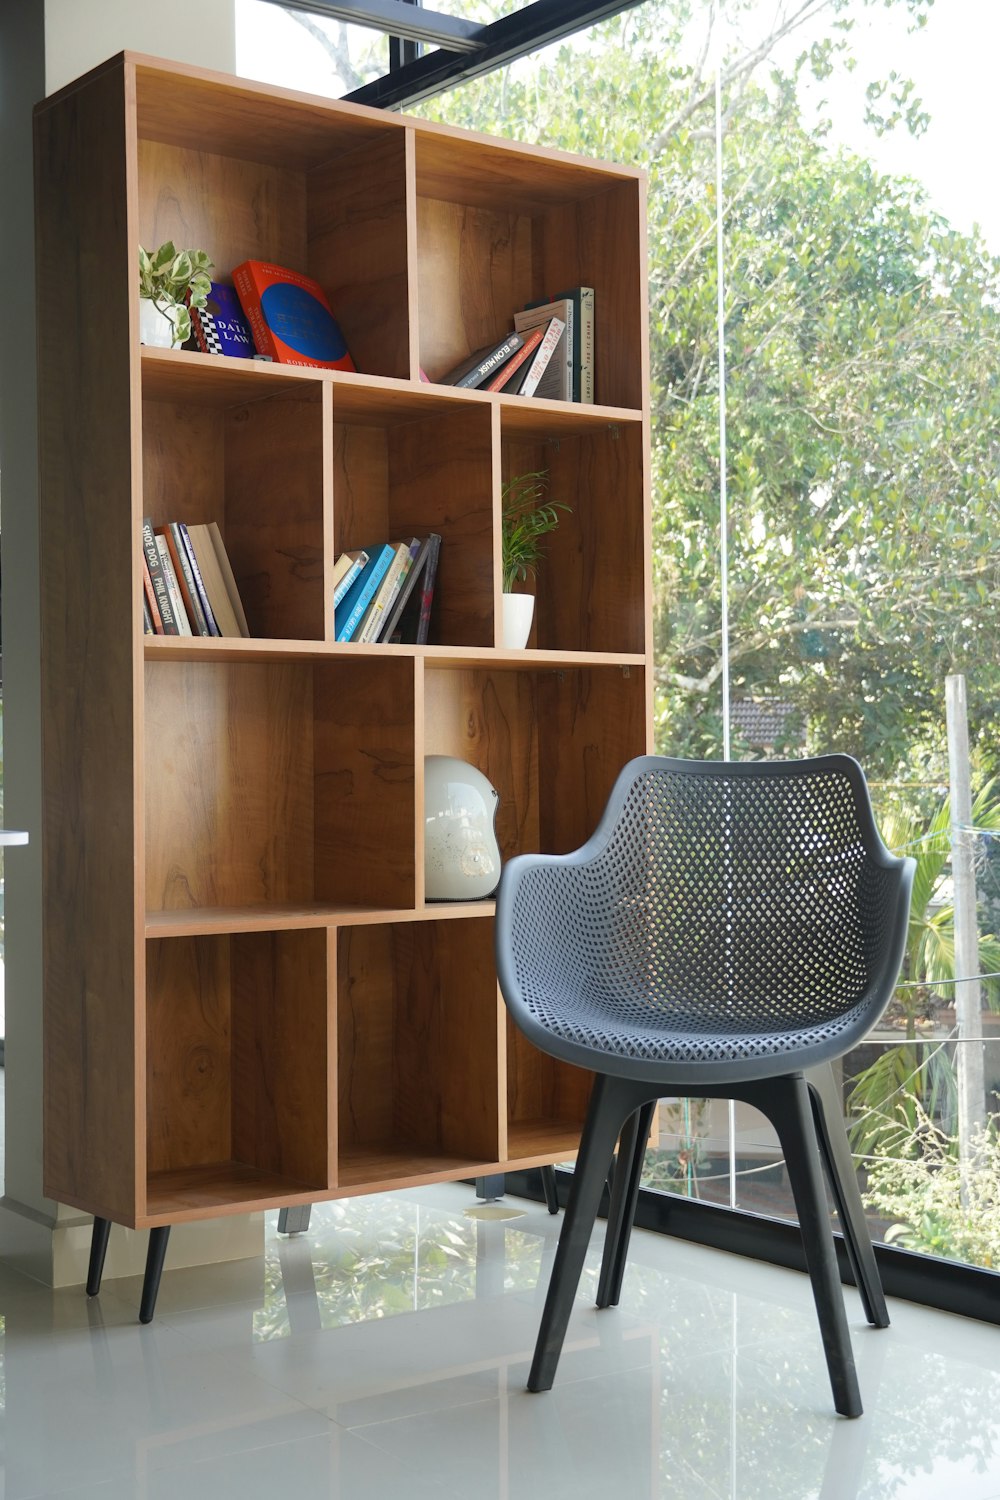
{"x": 624, "y": 1197}
{"x": 611, "y": 1102}
{"x": 98, "y": 1250}
{"x": 839, "y": 1163}
{"x": 788, "y": 1104}
{"x": 154, "y": 1269}
{"x": 549, "y": 1189}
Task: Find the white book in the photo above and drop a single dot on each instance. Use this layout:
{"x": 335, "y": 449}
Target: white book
{"x": 173, "y": 588}
{"x": 544, "y": 354}
{"x": 557, "y": 382}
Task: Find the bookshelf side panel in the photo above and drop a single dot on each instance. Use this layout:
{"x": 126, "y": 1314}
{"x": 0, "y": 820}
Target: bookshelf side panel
{"x": 90, "y": 636}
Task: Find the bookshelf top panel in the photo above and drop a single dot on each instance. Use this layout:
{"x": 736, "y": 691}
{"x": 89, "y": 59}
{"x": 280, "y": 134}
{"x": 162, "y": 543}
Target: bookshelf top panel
{"x": 181, "y": 106}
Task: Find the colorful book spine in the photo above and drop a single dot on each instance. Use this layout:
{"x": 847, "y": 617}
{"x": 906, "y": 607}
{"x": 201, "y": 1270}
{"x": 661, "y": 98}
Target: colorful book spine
{"x": 356, "y": 561}
{"x": 371, "y": 626}
{"x": 531, "y": 343}
{"x": 185, "y": 578}
{"x": 221, "y": 326}
{"x": 290, "y": 318}
{"x": 547, "y": 350}
{"x": 427, "y": 596}
{"x": 173, "y": 587}
{"x": 199, "y": 582}
{"x": 149, "y": 599}
{"x": 348, "y": 617}
{"x": 485, "y": 362}
{"x": 582, "y": 298}
{"x": 152, "y": 555}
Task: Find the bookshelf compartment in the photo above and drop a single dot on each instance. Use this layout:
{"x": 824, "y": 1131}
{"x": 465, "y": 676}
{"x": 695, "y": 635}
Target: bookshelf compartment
{"x": 590, "y": 589}
{"x": 546, "y": 1102}
{"x": 237, "y": 1086}
{"x": 499, "y": 227}
{"x": 256, "y": 468}
{"x": 269, "y": 783}
{"x": 418, "y": 1028}
{"x": 550, "y": 741}
{"x": 323, "y": 195}
{"x": 412, "y": 465}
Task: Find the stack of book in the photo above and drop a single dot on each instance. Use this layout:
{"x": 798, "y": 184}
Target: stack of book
{"x": 384, "y": 592}
{"x": 549, "y": 352}
{"x": 188, "y": 582}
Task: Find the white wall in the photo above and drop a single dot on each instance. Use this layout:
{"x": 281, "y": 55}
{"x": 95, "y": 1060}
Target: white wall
{"x": 81, "y": 33}
{"x": 42, "y": 47}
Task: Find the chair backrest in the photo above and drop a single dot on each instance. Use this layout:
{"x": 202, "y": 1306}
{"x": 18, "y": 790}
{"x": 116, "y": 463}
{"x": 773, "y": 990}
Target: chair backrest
{"x": 751, "y": 898}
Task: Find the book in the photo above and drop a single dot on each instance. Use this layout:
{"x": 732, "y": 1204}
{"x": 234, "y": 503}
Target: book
{"x": 147, "y": 618}
{"x": 348, "y": 617}
{"x": 556, "y": 383}
{"x": 427, "y": 590}
{"x": 413, "y": 616}
{"x": 149, "y": 599}
{"x": 221, "y": 326}
{"x": 582, "y": 298}
{"x": 504, "y": 375}
{"x": 173, "y": 587}
{"x": 547, "y": 351}
{"x": 152, "y": 556}
{"x": 214, "y": 582}
{"x": 392, "y": 616}
{"x": 229, "y": 578}
{"x": 345, "y": 570}
{"x": 371, "y": 626}
{"x": 478, "y": 367}
{"x": 290, "y": 318}
{"x": 199, "y": 582}
{"x": 185, "y": 578}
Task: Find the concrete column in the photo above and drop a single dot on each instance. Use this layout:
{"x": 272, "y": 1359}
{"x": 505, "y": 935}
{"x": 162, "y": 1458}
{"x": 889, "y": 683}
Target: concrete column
{"x": 43, "y": 45}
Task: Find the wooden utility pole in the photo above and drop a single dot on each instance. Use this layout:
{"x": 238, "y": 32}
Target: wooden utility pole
{"x": 968, "y": 1012}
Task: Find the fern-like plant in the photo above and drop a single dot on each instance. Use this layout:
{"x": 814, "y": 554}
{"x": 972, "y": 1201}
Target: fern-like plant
{"x": 526, "y": 519}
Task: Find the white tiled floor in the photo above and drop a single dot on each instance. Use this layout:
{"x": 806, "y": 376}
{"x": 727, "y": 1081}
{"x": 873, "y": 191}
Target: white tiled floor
{"x": 384, "y": 1355}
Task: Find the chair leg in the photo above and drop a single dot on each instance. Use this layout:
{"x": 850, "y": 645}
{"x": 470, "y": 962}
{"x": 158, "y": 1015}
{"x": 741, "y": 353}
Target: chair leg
{"x": 155, "y": 1255}
{"x": 624, "y": 1197}
{"x": 98, "y": 1250}
{"x": 843, "y": 1181}
{"x": 611, "y": 1102}
{"x": 787, "y": 1103}
{"x": 549, "y": 1189}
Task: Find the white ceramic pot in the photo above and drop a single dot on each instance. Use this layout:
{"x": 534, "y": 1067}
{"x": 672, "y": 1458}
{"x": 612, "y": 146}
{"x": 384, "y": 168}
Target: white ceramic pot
{"x": 518, "y": 610}
{"x": 155, "y": 328}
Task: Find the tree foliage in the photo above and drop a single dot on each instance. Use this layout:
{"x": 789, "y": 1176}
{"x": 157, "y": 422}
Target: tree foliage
{"x": 861, "y": 344}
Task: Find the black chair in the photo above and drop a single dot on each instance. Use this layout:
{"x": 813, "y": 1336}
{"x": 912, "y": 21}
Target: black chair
{"x": 729, "y": 930}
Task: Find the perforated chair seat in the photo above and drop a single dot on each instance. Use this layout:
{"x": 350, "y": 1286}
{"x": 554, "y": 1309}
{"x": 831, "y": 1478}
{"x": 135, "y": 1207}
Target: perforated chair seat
{"x": 729, "y": 929}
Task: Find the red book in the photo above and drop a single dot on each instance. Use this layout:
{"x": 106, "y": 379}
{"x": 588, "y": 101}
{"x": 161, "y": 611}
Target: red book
{"x": 154, "y": 608}
{"x": 289, "y": 316}
{"x": 531, "y": 343}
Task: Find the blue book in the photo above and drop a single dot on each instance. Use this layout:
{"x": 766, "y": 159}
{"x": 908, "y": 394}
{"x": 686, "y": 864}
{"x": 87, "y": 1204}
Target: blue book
{"x": 347, "y": 616}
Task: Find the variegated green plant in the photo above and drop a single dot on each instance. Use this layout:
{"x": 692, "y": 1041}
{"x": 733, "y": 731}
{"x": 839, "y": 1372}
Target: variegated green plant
{"x": 175, "y": 280}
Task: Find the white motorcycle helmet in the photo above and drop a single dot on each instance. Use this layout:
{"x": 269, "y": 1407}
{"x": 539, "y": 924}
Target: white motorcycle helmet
{"x": 461, "y": 853}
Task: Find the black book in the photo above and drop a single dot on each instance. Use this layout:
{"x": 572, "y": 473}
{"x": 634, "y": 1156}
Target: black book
{"x": 485, "y": 362}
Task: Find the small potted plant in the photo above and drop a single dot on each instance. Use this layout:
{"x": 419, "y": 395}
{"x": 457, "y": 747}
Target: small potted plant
{"x": 170, "y": 282}
{"x": 525, "y": 520}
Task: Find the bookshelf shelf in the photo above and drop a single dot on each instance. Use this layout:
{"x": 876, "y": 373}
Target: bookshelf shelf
{"x": 240, "y": 960}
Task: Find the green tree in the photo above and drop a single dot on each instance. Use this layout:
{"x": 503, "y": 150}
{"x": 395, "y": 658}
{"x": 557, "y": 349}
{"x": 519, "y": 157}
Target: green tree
{"x": 861, "y": 338}
{"x": 914, "y": 1076}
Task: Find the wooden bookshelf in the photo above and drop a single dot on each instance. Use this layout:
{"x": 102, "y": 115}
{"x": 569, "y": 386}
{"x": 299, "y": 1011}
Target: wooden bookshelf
{"x": 248, "y": 1000}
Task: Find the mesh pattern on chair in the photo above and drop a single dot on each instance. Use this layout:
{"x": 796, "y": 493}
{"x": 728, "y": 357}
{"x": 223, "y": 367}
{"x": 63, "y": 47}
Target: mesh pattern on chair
{"x": 728, "y": 917}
